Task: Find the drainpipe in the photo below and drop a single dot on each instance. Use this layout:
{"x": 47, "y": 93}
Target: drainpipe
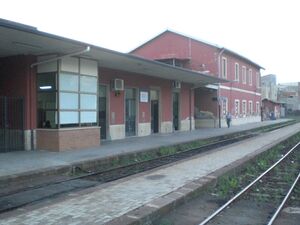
{"x": 87, "y": 49}
{"x": 190, "y": 101}
{"x": 219, "y": 74}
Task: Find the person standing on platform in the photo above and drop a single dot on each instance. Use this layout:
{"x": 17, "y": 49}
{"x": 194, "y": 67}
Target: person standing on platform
{"x": 228, "y": 119}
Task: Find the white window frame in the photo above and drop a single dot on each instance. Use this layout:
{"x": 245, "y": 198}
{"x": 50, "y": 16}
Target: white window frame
{"x": 244, "y": 109}
{"x": 250, "y": 77}
{"x": 257, "y": 107}
{"x": 225, "y": 106}
{"x": 236, "y": 72}
{"x": 244, "y": 74}
{"x": 250, "y": 107}
{"x": 257, "y": 79}
{"x": 237, "y": 107}
{"x": 224, "y": 67}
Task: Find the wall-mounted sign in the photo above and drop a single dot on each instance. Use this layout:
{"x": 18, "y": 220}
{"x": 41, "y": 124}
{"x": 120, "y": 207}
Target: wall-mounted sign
{"x": 144, "y": 96}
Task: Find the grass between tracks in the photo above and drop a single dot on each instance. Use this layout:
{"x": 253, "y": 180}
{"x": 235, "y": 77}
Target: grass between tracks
{"x": 230, "y": 184}
{"x": 136, "y": 157}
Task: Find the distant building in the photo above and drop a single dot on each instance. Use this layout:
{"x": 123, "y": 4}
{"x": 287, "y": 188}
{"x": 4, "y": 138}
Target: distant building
{"x": 269, "y": 87}
{"x": 289, "y": 93}
{"x": 271, "y": 109}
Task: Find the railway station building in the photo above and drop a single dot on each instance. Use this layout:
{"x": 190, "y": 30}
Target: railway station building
{"x": 241, "y": 96}
{"x": 58, "y": 94}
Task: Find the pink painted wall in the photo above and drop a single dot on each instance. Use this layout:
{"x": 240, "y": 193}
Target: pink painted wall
{"x": 204, "y": 57}
{"x": 185, "y": 101}
{"x": 231, "y": 60}
{"x": 165, "y": 46}
{"x": 144, "y": 82}
{"x": 235, "y": 95}
{"x": 172, "y": 45}
{"x": 18, "y": 79}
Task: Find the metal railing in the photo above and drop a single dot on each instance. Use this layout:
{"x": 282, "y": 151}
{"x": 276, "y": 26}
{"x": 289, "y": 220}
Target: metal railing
{"x": 208, "y": 219}
{"x": 11, "y": 124}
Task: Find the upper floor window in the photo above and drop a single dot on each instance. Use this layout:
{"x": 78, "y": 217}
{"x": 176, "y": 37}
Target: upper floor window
{"x": 173, "y": 62}
{"x": 237, "y": 72}
{"x": 257, "y": 80}
{"x": 224, "y": 67}
{"x": 257, "y": 107}
{"x": 244, "y": 75}
{"x": 250, "y": 77}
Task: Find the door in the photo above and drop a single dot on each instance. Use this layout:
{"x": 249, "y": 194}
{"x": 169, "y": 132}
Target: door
{"x": 130, "y": 112}
{"x": 154, "y": 97}
{"x": 175, "y": 110}
{"x": 102, "y": 110}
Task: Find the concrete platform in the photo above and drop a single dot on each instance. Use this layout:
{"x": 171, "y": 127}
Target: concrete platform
{"x": 25, "y": 163}
{"x": 135, "y": 199}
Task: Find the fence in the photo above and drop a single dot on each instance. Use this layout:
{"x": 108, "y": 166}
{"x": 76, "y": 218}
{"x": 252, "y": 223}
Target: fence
{"x": 11, "y": 124}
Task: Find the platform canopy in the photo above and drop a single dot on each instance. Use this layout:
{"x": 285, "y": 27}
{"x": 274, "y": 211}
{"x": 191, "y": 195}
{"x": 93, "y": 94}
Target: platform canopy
{"x": 19, "y": 39}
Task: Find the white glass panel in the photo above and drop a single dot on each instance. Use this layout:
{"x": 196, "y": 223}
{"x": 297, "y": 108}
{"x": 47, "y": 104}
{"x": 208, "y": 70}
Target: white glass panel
{"x": 88, "y": 84}
{"x": 88, "y": 101}
{"x": 88, "y": 67}
{"x": 68, "y": 82}
{"x": 70, "y": 64}
{"x": 68, "y": 101}
{"x": 68, "y": 117}
{"x": 88, "y": 117}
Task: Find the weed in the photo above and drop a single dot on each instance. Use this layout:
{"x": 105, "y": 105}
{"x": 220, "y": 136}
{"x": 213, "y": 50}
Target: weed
{"x": 165, "y": 222}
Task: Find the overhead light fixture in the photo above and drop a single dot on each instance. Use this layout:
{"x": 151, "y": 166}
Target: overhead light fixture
{"x": 45, "y": 87}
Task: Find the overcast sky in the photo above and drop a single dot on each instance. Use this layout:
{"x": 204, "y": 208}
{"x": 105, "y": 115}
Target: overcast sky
{"x": 265, "y": 31}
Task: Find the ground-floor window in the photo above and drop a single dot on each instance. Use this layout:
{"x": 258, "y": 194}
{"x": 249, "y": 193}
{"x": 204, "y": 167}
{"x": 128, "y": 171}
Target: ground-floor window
{"x": 244, "y": 107}
{"x": 237, "y": 107}
{"x": 66, "y": 100}
{"x": 257, "y": 108}
{"x": 47, "y": 100}
{"x": 225, "y": 106}
{"x": 250, "y": 107}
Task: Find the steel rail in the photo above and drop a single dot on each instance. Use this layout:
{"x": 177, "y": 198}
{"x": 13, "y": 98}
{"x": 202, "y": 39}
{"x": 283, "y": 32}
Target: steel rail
{"x": 284, "y": 201}
{"x": 111, "y": 170}
{"x": 246, "y": 188}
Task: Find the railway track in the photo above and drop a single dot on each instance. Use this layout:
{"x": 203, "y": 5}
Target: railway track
{"x": 268, "y": 193}
{"x": 30, "y": 194}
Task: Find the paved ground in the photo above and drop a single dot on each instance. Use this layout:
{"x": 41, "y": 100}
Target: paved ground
{"x": 16, "y": 163}
{"x": 104, "y": 203}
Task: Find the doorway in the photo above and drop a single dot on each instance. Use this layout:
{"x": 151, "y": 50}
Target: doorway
{"x": 130, "y": 112}
{"x": 175, "y": 111}
{"x": 102, "y": 110}
{"x": 154, "y": 98}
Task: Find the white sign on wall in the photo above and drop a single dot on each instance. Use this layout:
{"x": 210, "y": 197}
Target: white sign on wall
{"x": 144, "y": 96}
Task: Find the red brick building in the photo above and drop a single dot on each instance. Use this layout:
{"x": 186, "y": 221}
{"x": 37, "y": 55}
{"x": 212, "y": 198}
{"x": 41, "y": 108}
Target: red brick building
{"x": 271, "y": 109}
{"x": 241, "y": 96}
{"x": 58, "y": 94}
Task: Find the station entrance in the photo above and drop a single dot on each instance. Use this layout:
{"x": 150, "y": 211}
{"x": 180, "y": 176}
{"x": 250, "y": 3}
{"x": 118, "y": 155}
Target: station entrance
{"x": 130, "y": 112}
{"x": 154, "y": 98}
